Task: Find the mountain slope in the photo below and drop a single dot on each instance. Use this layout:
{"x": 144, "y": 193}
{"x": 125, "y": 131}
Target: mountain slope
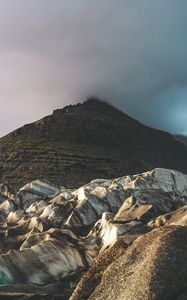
{"x": 85, "y": 141}
{"x": 181, "y": 138}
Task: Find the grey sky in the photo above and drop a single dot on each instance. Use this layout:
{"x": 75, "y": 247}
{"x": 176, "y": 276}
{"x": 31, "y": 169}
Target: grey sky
{"x": 131, "y": 53}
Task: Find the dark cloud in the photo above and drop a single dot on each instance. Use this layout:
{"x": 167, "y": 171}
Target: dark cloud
{"x": 131, "y": 53}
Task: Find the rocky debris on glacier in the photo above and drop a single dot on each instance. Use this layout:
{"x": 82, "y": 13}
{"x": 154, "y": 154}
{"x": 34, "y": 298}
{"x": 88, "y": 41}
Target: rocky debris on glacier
{"x": 153, "y": 267}
{"x": 51, "y": 235}
{"x": 47, "y": 257}
{"x": 34, "y": 191}
{"x": 178, "y": 217}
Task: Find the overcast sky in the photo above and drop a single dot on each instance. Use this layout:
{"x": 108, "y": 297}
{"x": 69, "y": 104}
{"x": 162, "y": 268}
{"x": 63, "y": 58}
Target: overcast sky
{"x": 131, "y": 53}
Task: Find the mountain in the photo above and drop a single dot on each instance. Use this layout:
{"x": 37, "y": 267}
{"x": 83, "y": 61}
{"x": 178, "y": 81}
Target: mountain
{"x": 122, "y": 238}
{"x": 181, "y": 138}
{"x": 85, "y": 141}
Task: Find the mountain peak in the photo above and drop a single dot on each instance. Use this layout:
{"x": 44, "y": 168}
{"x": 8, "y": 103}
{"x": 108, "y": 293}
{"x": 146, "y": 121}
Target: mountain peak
{"x": 91, "y": 103}
{"x": 96, "y": 102}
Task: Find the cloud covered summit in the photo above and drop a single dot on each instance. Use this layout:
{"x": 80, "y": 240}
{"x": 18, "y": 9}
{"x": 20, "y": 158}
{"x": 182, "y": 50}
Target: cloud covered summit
{"x": 132, "y": 53}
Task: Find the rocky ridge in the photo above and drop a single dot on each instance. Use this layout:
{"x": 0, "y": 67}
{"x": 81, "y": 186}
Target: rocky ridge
{"x": 122, "y": 238}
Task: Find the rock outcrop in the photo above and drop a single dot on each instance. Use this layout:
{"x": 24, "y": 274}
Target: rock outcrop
{"x": 118, "y": 235}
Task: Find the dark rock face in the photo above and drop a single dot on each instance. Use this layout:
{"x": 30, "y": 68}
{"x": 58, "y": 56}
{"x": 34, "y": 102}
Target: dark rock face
{"x": 126, "y": 238}
{"x": 85, "y": 141}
